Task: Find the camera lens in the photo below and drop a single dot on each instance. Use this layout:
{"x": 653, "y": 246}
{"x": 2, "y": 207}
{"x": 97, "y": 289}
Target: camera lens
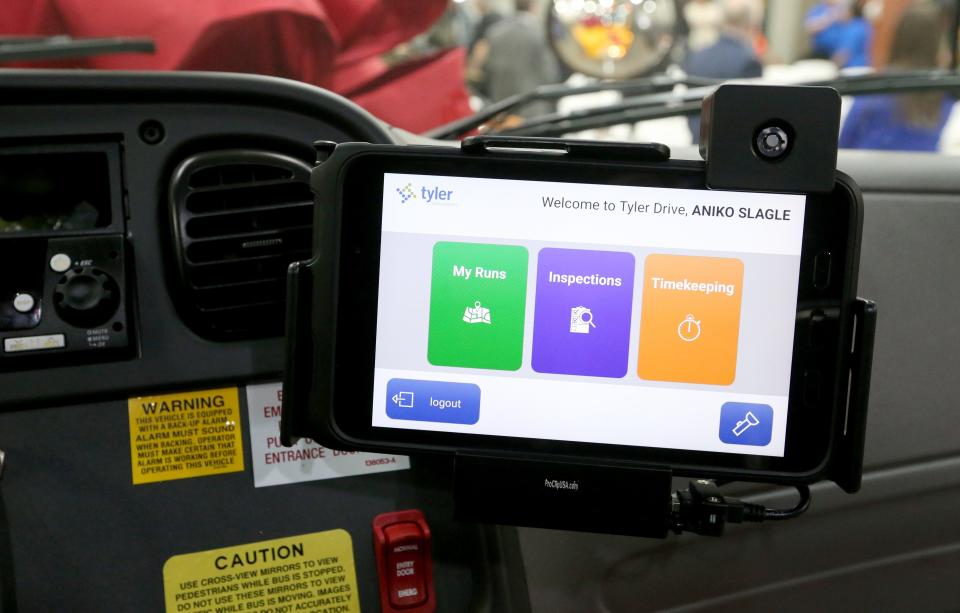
{"x": 772, "y": 142}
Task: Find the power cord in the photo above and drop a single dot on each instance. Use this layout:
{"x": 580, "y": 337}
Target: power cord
{"x": 799, "y": 509}
{"x": 703, "y": 509}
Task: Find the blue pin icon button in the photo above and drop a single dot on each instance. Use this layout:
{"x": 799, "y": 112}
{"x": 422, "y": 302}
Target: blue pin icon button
{"x": 744, "y": 423}
{"x": 437, "y": 401}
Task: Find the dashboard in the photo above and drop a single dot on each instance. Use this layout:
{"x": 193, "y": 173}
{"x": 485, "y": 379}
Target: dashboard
{"x": 192, "y": 199}
{"x": 187, "y": 200}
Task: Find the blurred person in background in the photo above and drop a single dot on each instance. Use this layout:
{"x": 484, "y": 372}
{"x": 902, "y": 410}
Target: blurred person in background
{"x": 732, "y": 56}
{"x": 703, "y": 18}
{"x": 905, "y": 122}
{"x": 453, "y": 29}
{"x": 515, "y": 57}
{"x": 477, "y": 52}
{"x": 839, "y": 32}
{"x": 487, "y": 16}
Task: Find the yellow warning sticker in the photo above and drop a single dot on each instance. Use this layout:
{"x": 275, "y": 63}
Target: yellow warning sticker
{"x": 177, "y": 436}
{"x": 312, "y": 572}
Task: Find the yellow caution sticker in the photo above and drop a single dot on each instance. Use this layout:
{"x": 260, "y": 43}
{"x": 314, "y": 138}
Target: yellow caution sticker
{"x": 313, "y": 572}
{"x": 176, "y": 436}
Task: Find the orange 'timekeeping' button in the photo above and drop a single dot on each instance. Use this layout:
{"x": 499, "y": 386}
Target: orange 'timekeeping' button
{"x": 690, "y": 319}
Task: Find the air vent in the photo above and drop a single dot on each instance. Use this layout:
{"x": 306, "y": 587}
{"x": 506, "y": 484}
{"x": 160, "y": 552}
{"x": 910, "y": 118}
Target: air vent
{"x": 239, "y": 218}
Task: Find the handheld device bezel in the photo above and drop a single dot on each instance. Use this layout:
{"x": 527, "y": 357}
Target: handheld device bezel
{"x": 348, "y": 238}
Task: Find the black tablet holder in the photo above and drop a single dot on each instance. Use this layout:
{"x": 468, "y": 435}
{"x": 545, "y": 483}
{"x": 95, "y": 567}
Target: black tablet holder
{"x": 754, "y": 138}
{"x": 637, "y": 500}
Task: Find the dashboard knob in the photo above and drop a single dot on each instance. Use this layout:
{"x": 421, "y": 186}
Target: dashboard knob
{"x": 86, "y": 297}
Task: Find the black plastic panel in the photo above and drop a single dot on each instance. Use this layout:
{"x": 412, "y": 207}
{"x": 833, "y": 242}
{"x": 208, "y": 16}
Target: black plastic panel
{"x": 84, "y": 537}
{"x": 197, "y": 113}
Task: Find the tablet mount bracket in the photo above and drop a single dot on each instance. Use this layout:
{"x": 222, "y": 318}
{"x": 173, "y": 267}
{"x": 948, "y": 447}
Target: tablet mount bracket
{"x": 637, "y": 500}
{"x": 630, "y": 499}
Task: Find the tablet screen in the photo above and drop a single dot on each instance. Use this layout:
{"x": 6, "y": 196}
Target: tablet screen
{"x": 624, "y": 315}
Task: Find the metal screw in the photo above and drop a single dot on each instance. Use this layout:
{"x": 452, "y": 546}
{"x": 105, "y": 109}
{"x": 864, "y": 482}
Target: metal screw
{"x": 152, "y": 132}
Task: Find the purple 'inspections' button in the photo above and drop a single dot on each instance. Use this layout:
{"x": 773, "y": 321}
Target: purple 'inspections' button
{"x": 581, "y": 322}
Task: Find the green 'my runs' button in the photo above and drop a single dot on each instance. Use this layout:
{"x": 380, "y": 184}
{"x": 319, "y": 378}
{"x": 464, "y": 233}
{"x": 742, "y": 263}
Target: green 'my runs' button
{"x": 477, "y": 299}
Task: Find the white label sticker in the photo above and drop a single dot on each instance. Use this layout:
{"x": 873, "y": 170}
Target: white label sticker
{"x": 274, "y": 464}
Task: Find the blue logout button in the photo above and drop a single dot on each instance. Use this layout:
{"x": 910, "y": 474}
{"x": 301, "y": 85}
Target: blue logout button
{"x": 743, "y": 423}
{"x": 439, "y": 401}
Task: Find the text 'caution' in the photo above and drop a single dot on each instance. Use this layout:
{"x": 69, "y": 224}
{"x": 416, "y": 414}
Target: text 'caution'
{"x": 313, "y": 572}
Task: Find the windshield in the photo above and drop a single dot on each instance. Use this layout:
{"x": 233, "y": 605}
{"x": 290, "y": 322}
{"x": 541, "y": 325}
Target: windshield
{"x": 604, "y": 69}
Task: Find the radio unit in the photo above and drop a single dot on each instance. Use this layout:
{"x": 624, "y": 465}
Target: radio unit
{"x": 64, "y": 292}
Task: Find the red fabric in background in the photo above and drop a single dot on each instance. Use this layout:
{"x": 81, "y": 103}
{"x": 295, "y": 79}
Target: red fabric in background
{"x": 372, "y": 27}
{"x": 284, "y": 38}
{"x": 331, "y": 43}
{"x": 35, "y": 18}
{"x": 421, "y": 94}
{"x": 30, "y": 18}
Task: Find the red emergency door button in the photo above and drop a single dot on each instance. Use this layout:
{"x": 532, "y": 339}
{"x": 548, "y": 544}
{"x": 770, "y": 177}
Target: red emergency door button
{"x": 405, "y": 564}
{"x": 402, "y": 542}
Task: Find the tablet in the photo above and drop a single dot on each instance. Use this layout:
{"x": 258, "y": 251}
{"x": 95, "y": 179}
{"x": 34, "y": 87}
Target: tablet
{"x": 583, "y": 309}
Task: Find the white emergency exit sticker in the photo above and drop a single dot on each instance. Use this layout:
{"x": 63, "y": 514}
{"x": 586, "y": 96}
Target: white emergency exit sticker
{"x": 274, "y": 464}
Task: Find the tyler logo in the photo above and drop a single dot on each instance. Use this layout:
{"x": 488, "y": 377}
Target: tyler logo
{"x": 406, "y": 193}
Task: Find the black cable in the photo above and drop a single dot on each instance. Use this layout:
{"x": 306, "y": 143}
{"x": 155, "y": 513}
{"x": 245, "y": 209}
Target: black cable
{"x": 64, "y": 47}
{"x": 669, "y": 104}
{"x": 703, "y": 509}
{"x": 632, "y": 87}
{"x": 800, "y": 508}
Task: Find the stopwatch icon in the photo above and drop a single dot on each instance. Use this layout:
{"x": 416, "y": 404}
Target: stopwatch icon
{"x": 689, "y": 329}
